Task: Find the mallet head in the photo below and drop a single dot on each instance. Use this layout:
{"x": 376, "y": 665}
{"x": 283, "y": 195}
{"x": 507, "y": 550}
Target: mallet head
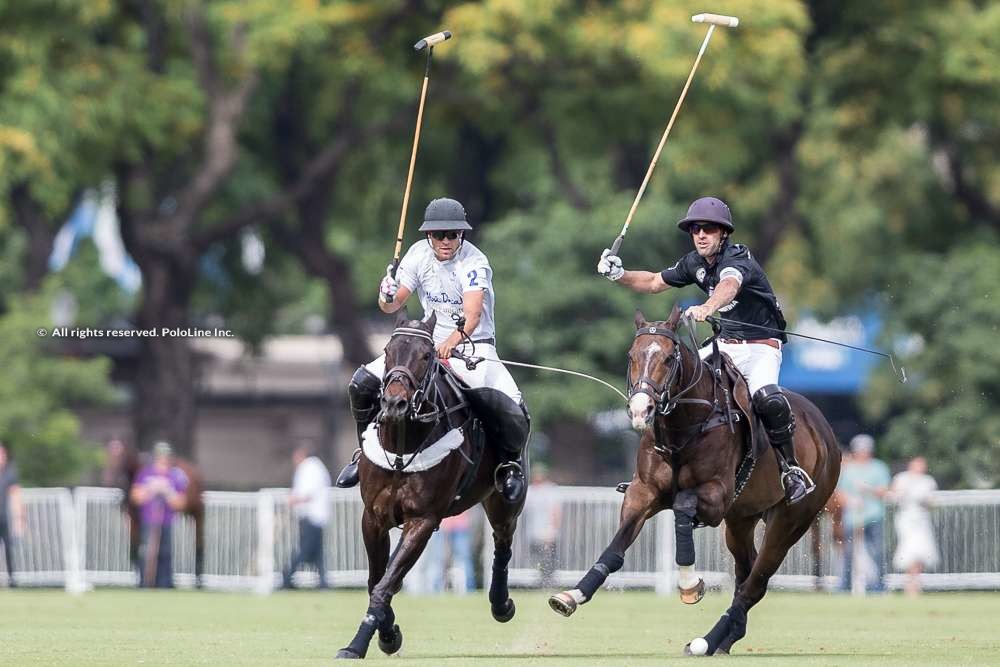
{"x": 717, "y": 19}
{"x": 431, "y": 40}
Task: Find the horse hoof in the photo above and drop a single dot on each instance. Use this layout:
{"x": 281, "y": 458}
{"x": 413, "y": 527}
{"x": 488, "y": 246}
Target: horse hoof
{"x": 505, "y": 613}
{"x": 347, "y": 654}
{"x": 563, "y": 603}
{"x": 393, "y": 644}
{"x": 694, "y": 594}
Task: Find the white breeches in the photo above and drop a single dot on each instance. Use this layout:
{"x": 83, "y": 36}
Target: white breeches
{"x": 759, "y": 363}
{"x": 488, "y": 373}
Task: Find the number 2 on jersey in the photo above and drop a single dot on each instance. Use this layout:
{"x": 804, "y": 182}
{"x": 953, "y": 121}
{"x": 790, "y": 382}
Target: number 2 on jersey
{"x": 472, "y": 276}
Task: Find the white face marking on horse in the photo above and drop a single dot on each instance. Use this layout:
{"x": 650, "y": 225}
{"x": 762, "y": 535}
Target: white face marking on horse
{"x": 640, "y": 406}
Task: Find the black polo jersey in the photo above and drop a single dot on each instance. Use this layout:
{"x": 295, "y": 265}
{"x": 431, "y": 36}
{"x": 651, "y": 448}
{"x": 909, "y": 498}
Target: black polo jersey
{"x": 755, "y": 302}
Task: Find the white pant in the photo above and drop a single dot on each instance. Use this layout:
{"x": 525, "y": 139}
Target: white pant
{"x": 488, "y": 373}
{"x": 759, "y": 363}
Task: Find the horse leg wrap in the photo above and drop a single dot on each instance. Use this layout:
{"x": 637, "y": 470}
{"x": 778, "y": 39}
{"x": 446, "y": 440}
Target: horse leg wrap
{"x": 608, "y": 562}
{"x": 718, "y": 633}
{"x": 737, "y": 623}
{"x": 685, "y": 507}
{"x": 374, "y": 618}
{"x": 498, "y": 586}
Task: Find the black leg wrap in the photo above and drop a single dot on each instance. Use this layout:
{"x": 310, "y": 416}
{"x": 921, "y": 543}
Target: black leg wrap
{"x": 498, "y": 586}
{"x": 608, "y": 563}
{"x": 737, "y": 623}
{"x": 685, "y": 507}
{"x": 718, "y": 633}
{"x": 369, "y": 624}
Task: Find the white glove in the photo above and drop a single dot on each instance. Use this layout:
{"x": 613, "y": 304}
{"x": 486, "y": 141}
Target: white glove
{"x": 388, "y": 287}
{"x": 610, "y": 266}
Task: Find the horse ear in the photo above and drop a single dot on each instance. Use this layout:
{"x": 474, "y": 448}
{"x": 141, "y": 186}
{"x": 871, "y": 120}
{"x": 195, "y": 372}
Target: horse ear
{"x": 402, "y": 316}
{"x": 675, "y": 317}
{"x": 640, "y": 319}
{"x": 431, "y": 321}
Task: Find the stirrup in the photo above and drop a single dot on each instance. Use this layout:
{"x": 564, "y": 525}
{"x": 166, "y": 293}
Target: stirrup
{"x": 810, "y": 485}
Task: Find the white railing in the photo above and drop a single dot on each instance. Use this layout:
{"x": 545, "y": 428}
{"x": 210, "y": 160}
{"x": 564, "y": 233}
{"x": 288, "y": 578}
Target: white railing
{"x": 81, "y": 539}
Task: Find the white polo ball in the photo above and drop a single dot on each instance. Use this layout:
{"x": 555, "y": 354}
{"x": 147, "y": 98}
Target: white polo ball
{"x": 698, "y": 646}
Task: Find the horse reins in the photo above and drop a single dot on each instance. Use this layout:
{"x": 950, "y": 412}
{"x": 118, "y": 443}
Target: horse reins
{"x": 424, "y": 391}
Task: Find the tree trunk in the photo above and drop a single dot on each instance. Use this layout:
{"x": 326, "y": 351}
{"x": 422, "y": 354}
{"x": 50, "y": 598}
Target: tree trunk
{"x": 307, "y": 241}
{"x": 41, "y": 231}
{"x": 165, "y": 400}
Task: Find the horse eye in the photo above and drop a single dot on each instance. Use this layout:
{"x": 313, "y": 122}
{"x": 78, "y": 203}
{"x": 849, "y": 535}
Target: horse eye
{"x": 427, "y": 356}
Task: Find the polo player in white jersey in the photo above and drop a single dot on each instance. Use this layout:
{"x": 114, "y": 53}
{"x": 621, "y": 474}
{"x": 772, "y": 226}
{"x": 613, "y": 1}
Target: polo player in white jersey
{"x": 452, "y": 278}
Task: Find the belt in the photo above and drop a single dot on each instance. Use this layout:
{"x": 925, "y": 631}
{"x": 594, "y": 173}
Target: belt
{"x": 486, "y": 341}
{"x": 773, "y": 342}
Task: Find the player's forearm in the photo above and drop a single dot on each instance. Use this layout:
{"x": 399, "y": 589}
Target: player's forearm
{"x": 392, "y": 306}
{"x": 723, "y": 295}
{"x": 645, "y": 282}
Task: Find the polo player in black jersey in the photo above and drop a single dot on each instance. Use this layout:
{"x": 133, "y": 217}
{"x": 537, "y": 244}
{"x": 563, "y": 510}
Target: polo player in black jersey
{"x": 738, "y": 289}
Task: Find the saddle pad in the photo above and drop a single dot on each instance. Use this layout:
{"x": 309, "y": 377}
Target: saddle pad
{"x": 425, "y": 459}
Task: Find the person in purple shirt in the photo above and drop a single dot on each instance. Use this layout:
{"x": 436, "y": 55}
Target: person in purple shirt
{"x": 158, "y": 490}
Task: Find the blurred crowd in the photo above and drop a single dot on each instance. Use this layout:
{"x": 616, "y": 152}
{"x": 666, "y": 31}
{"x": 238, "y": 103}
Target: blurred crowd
{"x": 158, "y": 489}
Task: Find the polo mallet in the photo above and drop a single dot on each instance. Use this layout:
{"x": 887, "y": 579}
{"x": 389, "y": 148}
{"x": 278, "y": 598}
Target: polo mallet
{"x": 426, "y": 43}
{"x": 713, "y": 20}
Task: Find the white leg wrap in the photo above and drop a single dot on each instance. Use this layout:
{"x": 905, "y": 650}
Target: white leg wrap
{"x": 577, "y": 596}
{"x": 686, "y": 576}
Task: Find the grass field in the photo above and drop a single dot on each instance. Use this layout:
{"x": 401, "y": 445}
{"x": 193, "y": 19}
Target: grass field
{"x": 125, "y": 627}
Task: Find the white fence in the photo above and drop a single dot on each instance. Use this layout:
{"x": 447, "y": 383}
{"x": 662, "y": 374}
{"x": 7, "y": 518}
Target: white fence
{"x": 81, "y": 539}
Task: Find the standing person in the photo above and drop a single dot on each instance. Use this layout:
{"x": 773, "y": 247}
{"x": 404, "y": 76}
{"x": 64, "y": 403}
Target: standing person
{"x": 455, "y": 538}
{"x": 452, "y": 278}
{"x": 310, "y": 501}
{"x": 865, "y": 484}
{"x": 543, "y": 514}
{"x": 916, "y": 548}
{"x": 11, "y": 510}
{"x": 737, "y": 287}
{"x": 158, "y": 490}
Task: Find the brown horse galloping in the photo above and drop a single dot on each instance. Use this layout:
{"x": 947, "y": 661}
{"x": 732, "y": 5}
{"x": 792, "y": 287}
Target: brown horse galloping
{"x": 421, "y": 402}
{"x": 702, "y": 432}
{"x": 122, "y": 464}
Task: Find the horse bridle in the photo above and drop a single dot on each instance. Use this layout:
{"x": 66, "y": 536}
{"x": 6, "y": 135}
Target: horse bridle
{"x": 405, "y": 376}
{"x": 660, "y": 393}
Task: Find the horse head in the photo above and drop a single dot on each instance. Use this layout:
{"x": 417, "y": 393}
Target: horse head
{"x": 409, "y": 358}
{"x": 654, "y": 367}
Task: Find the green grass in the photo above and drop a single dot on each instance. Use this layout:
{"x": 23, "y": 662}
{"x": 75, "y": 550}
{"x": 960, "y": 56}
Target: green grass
{"x": 119, "y": 627}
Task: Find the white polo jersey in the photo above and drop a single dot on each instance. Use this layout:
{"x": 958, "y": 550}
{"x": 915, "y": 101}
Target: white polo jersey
{"x": 312, "y": 482}
{"x": 440, "y": 286}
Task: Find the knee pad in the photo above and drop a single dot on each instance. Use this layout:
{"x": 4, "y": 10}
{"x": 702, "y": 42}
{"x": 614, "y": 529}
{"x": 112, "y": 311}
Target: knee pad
{"x": 363, "y": 393}
{"x": 774, "y": 409}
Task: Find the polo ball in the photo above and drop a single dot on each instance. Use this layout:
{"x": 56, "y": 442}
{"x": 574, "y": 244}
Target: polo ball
{"x": 698, "y": 646}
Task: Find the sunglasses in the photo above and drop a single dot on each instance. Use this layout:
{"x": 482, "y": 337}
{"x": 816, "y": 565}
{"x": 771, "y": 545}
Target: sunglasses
{"x": 709, "y": 228}
{"x": 441, "y": 236}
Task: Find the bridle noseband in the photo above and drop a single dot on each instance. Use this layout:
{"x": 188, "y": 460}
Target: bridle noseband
{"x": 403, "y": 375}
{"x": 660, "y": 393}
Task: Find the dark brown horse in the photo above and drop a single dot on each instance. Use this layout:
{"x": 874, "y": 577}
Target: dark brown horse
{"x": 122, "y": 464}
{"x": 420, "y": 403}
{"x": 702, "y": 433}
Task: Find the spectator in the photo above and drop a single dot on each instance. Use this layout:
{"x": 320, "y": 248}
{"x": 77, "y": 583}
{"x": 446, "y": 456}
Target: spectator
{"x": 864, "y": 484}
{"x": 543, "y": 513}
{"x": 158, "y": 490}
{"x": 916, "y": 549}
{"x": 455, "y": 536}
{"x": 310, "y": 501}
{"x": 11, "y": 526}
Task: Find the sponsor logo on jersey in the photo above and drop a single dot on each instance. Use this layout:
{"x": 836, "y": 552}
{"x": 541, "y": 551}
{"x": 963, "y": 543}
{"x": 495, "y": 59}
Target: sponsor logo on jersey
{"x": 700, "y": 274}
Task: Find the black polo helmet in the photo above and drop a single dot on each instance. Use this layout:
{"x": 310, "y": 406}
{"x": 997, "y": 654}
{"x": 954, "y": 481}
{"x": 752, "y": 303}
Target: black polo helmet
{"x": 708, "y": 209}
{"x": 443, "y": 215}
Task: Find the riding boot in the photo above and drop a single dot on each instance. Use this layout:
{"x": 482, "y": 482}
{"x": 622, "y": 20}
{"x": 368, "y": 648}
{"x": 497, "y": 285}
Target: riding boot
{"x": 776, "y": 412}
{"x": 363, "y": 393}
{"x": 507, "y": 426}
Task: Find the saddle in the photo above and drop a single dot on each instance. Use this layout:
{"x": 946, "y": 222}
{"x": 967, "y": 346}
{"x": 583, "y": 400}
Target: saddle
{"x": 734, "y": 381}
